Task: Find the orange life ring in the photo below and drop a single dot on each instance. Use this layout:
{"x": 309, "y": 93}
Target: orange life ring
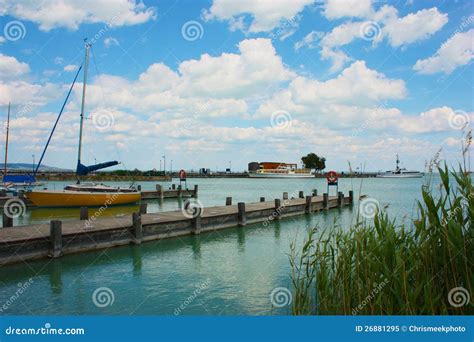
{"x": 182, "y": 174}
{"x": 332, "y": 177}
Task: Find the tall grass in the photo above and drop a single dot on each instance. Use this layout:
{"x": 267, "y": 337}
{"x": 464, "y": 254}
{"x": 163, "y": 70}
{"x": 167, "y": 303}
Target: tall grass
{"x": 382, "y": 267}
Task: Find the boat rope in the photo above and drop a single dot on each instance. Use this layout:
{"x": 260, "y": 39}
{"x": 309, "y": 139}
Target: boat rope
{"x": 56, "y": 123}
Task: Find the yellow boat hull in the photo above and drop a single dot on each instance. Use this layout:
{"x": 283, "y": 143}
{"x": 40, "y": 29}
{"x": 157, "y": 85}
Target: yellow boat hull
{"x": 81, "y": 199}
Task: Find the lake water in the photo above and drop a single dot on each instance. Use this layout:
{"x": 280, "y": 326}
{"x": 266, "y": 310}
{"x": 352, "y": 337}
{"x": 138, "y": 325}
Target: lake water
{"x": 226, "y": 272}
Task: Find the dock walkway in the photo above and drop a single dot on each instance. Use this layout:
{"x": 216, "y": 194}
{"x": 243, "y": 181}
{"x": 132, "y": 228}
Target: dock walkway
{"x": 22, "y": 243}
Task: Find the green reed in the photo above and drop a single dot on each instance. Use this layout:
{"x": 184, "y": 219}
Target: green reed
{"x": 379, "y": 267}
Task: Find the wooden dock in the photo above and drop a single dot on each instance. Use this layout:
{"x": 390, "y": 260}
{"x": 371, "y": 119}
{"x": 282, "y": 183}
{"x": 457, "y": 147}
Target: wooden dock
{"x": 173, "y": 192}
{"x": 23, "y": 243}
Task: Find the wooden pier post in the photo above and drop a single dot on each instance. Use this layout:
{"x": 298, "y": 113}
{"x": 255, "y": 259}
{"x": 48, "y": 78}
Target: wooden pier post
{"x": 159, "y": 188}
{"x": 315, "y": 192}
{"x": 351, "y": 197}
{"x": 262, "y": 199}
{"x": 301, "y": 194}
{"x": 196, "y": 224}
{"x": 55, "y": 238}
{"x": 277, "y": 212}
{"x": 195, "y": 190}
{"x": 285, "y": 195}
{"x": 325, "y": 201}
{"x": 340, "y": 199}
{"x": 173, "y": 186}
{"x": 308, "y": 208}
{"x": 241, "y": 216}
{"x": 7, "y": 220}
{"x": 84, "y": 214}
{"x": 228, "y": 201}
{"x": 137, "y": 229}
{"x": 143, "y": 208}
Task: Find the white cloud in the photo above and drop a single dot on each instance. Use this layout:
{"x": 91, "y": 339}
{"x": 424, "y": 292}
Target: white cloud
{"x": 336, "y": 9}
{"x": 356, "y": 84}
{"x": 266, "y": 15}
{"x": 110, "y": 41}
{"x": 70, "y": 67}
{"x": 455, "y": 52}
{"x": 10, "y": 67}
{"x": 414, "y": 26}
{"x": 384, "y": 23}
{"x": 232, "y": 75}
{"x": 310, "y": 40}
{"x": 58, "y": 60}
{"x": 71, "y": 14}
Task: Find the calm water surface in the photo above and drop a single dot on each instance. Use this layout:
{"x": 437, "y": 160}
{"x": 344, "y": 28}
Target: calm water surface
{"x": 227, "y": 272}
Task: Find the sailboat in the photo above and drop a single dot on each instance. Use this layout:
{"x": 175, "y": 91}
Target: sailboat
{"x": 13, "y": 183}
{"x": 400, "y": 172}
{"x": 83, "y": 194}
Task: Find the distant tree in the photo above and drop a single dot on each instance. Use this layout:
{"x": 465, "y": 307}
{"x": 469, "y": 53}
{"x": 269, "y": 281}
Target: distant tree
{"x": 313, "y": 161}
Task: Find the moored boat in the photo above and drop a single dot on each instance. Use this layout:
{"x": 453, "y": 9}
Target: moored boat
{"x": 86, "y": 194}
{"x": 400, "y": 172}
{"x": 72, "y": 198}
{"x": 280, "y": 170}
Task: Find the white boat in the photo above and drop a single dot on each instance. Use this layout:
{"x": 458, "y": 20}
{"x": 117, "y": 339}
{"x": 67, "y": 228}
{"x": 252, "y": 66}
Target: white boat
{"x": 282, "y": 170}
{"x": 400, "y": 172}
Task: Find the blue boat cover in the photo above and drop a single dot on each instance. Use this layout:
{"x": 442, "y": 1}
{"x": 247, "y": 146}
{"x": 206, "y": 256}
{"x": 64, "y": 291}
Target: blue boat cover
{"x": 19, "y": 179}
{"x": 83, "y": 170}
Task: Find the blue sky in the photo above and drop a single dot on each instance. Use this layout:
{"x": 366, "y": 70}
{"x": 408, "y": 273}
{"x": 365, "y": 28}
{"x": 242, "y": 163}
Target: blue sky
{"x": 206, "y": 82}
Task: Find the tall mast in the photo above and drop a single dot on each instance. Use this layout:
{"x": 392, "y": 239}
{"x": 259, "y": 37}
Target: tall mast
{"x": 86, "y": 64}
{"x": 398, "y": 162}
{"x": 6, "y": 143}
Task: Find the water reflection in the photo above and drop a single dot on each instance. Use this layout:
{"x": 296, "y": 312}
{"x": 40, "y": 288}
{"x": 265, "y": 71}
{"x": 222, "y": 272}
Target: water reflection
{"x": 196, "y": 246}
{"x": 241, "y": 239}
{"x": 136, "y": 252}
{"x": 55, "y": 280}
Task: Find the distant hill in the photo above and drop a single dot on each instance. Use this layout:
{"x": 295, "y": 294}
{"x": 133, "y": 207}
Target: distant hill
{"x": 29, "y": 167}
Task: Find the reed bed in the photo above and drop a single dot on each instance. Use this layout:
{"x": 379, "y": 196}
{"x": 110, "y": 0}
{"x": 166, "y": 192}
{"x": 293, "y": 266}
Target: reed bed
{"x": 379, "y": 267}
